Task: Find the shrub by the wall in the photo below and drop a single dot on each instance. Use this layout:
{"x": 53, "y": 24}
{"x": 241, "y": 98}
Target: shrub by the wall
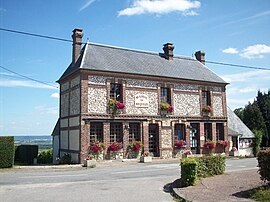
{"x": 45, "y": 157}
{"x": 264, "y": 164}
{"x": 26, "y": 153}
{"x": 65, "y": 159}
{"x": 210, "y": 165}
{"x": 188, "y": 172}
{"x": 6, "y": 151}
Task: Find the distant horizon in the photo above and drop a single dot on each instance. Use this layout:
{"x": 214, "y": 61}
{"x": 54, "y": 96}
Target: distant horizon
{"x": 25, "y": 135}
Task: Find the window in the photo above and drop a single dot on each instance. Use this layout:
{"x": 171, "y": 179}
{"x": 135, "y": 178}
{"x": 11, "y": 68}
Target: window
{"x": 219, "y": 131}
{"x": 116, "y": 92}
{"x": 165, "y": 95}
{"x": 208, "y": 131}
{"x": 134, "y": 132}
{"x": 116, "y": 132}
{"x": 96, "y": 132}
{"x": 179, "y": 132}
{"x": 206, "y": 98}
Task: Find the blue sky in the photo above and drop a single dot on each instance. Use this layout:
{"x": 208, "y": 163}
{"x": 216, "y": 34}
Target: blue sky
{"x": 227, "y": 30}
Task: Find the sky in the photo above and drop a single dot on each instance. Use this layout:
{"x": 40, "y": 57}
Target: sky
{"x": 229, "y": 31}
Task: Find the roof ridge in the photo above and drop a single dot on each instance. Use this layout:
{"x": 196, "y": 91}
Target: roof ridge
{"x": 137, "y": 50}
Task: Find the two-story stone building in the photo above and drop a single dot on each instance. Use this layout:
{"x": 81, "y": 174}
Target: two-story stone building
{"x": 141, "y": 81}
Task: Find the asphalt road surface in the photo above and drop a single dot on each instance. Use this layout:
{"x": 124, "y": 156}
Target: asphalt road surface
{"x": 123, "y": 182}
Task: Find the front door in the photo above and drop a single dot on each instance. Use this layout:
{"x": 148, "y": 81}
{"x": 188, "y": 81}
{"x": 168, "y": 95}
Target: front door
{"x": 153, "y": 139}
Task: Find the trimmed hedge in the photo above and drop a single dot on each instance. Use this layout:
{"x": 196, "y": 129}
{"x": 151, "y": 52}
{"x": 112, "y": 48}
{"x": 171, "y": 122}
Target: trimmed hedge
{"x": 45, "y": 157}
{"x": 188, "y": 171}
{"x": 263, "y": 158}
{"x": 210, "y": 165}
{"x": 6, "y": 151}
{"x": 26, "y": 153}
{"x": 197, "y": 167}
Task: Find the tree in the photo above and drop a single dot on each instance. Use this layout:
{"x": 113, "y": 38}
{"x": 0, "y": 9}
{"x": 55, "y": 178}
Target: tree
{"x": 258, "y": 140}
{"x": 253, "y": 118}
{"x": 240, "y": 113}
{"x": 263, "y": 102}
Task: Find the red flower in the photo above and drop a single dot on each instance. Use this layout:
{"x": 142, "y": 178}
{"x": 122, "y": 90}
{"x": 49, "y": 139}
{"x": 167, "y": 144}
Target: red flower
{"x": 120, "y": 105}
{"x": 180, "y": 143}
{"x": 209, "y": 145}
{"x": 170, "y": 109}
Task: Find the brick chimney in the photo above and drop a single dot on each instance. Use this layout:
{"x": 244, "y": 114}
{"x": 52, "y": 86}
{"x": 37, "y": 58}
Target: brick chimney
{"x": 77, "y": 44}
{"x": 168, "y": 51}
{"x": 200, "y": 56}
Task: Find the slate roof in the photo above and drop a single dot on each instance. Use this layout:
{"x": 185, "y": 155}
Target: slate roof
{"x": 236, "y": 126}
{"x": 120, "y": 60}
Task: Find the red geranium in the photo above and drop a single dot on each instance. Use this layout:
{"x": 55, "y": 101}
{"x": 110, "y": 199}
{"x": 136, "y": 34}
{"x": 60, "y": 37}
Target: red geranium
{"x": 135, "y": 145}
{"x": 180, "y": 143}
{"x": 120, "y": 105}
{"x": 209, "y": 145}
{"x": 115, "y": 146}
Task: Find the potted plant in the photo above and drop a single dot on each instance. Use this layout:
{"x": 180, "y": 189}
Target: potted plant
{"x": 223, "y": 144}
{"x": 209, "y": 145}
{"x": 96, "y": 150}
{"x": 114, "y": 149}
{"x": 179, "y": 148}
{"x": 166, "y": 108}
{"x": 146, "y": 158}
{"x": 134, "y": 149}
{"x": 115, "y": 106}
{"x": 207, "y": 110}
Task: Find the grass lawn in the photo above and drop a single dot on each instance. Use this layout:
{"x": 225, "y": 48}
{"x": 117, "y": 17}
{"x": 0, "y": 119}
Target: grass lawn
{"x": 262, "y": 194}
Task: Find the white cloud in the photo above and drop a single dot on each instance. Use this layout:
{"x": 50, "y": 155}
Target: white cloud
{"x": 55, "y": 95}
{"x": 43, "y": 109}
{"x": 255, "y": 51}
{"x": 247, "y": 76}
{"x": 87, "y": 4}
{"x": 23, "y": 83}
{"x": 230, "y": 51}
{"x": 160, "y": 7}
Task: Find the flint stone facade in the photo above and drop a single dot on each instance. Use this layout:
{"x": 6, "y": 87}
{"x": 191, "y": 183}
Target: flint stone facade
{"x": 85, "y": 92}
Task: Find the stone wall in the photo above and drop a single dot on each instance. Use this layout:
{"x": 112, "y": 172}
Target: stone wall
{"x": 217, "y": 105}
{"x": 186, "y": 104}
{"x": 97, "y": 100}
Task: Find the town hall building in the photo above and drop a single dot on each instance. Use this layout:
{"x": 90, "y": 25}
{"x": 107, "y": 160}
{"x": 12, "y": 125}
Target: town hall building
{"x": 162, "y": 98}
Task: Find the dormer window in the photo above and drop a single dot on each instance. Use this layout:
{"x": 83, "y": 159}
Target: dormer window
{"x": 116, "y": 92}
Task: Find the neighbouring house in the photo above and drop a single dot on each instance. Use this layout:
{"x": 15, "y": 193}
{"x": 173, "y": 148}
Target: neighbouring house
{"x": 162, "y": 98}
{"x": 239, "y": 135}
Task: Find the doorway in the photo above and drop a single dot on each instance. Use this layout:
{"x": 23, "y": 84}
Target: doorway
{"x": 154, "y": 139}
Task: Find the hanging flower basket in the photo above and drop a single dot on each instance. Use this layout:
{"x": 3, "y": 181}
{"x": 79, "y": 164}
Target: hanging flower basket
{"x": 207, "y": 110}
{"x": 166, "y": 108}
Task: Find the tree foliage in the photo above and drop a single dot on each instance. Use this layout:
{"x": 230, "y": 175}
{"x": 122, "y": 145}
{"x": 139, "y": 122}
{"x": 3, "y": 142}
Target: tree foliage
{"x": 256, "y": 116}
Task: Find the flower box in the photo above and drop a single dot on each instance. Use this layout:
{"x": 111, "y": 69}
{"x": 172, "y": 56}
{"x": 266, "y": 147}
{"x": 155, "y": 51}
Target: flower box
{"x": 146, "y": 159}
{"x": 89, "y": 163}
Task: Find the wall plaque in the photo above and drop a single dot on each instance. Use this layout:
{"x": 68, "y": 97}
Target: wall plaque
{"x": 141, "y": 100}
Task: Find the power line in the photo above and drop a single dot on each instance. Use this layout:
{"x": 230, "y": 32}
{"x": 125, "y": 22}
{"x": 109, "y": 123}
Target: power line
{"x": 66, "y": 40}
{"x": 29, "y": 78}
{"x": 236, "y": 65}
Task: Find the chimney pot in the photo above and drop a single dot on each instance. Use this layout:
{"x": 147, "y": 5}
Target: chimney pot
{"x": 200, "y": 56}
{"x": 77, "y": 44}
{"x": 168, "y": 51}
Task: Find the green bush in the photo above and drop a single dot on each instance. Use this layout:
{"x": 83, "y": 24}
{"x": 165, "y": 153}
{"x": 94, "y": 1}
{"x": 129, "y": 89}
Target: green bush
{"x": 197, "y": 167}
{"x": 210, "y": 165}
{"x": 263, "y": 158}
{"x": 188, "y": 172}
{"x": 45, "y": 157}
{"x": 65, "y": 159}
{"x": 6, "y": 151}
{"x": 26, "y": 153}
{"x": 258, "y": 140}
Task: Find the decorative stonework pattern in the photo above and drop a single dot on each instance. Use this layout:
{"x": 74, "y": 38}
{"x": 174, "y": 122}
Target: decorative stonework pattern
{"x": 75, "y": 82}
{"x": 64, "y": 86}
{"x": 100, "y": 80}
{"x": 217, "y": 106}
{"x": 75, "y": 101}
{"x": 130, "y": 103}
{"x": 195, "y": 88}
{"x": 64, "y": 104}
{"x": 97, "y": 100}
{"x": 187, "y": 87}
{"x": 166, "y": 138}
{"x": 166, "y": 154}
{"x": 141, "y": 83}
{"x": 186, "y": 104}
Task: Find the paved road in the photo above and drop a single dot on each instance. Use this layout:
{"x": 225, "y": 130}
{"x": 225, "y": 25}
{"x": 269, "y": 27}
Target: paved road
{"x": 132, "y": 182}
